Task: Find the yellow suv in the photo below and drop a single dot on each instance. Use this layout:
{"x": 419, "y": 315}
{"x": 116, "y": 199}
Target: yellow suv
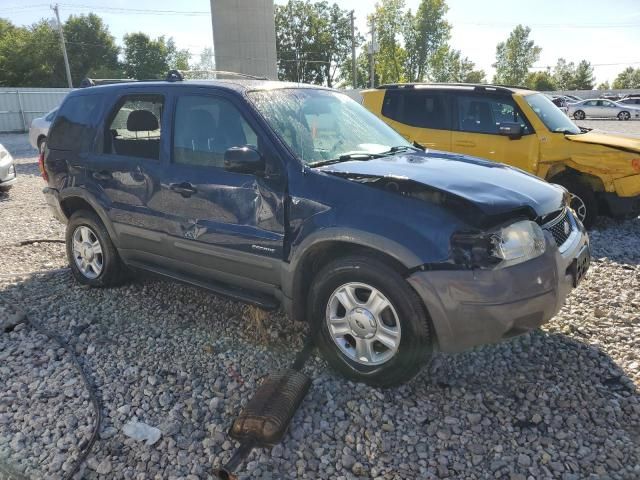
{"x": 522, "y": 128}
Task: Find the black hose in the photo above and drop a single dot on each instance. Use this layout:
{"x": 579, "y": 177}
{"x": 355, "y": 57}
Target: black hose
{"x": 92, "y": 394}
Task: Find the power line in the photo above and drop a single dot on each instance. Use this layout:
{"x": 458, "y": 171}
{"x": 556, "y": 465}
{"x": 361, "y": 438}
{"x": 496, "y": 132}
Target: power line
{"x": 136, "y": 11}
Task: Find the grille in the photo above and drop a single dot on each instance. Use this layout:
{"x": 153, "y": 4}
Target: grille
{"x": 560, "y": 227}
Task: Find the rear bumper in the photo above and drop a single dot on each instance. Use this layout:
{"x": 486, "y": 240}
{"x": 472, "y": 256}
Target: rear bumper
{"x": 51, "y": 196}
{"x": 470, "y": 308}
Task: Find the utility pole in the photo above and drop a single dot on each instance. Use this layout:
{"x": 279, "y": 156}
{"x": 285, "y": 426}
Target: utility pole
{"x": 353, "y": 52}
{"x": 64, "y": 47}
{"x": 372, "y": 50}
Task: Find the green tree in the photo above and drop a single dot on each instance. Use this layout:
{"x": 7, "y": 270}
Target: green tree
{"x": 515, "y": 57}
{"x": 312, "y": 41}
{"x": 584, "y": 79}
{"x": 30, "y": 55}
{"x": 563, "y": 74}
{"x": 91, "y": 49}
{"x": 389, "y": 19}
{"x": 146, "y": 58}
{"x": 541, "y": 81}
{"x": 425, "y": 34}
{"x": 604, "y": 86}
{"x": 449, "y": 65}
{"x": 628, "y": 78}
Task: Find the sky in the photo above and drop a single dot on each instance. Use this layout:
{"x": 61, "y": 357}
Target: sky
{"x": 607, "y": 34}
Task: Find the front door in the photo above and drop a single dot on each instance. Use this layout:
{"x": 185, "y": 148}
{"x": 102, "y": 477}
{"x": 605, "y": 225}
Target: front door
{"x": 477, "y": 132}
{"x": 221, "y": 225}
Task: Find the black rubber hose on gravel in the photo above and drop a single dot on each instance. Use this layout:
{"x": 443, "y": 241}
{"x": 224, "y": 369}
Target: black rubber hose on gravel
{"x": 92, "y": 393}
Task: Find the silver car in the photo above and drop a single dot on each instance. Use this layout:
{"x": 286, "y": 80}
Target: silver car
{"x": 39, "y": 130}
{"x": 602, "y": 108}
{"x": 7, "y": 169}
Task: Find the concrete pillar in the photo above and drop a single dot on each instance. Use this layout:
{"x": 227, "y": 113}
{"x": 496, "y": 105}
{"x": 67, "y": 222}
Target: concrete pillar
{"x": 244, "y": 36}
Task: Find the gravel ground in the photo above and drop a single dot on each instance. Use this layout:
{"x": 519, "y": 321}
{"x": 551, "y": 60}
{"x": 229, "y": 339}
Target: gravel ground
{"x": 561, "y": 402}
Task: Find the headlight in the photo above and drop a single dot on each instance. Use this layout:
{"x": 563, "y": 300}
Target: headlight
{"x": 3, "y": 153}
{"x": 510, "y": 245}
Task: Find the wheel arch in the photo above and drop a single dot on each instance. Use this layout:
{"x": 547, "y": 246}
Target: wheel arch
{"x": 308, "y": 262}
{"x": 77, "y": 200}
{"x": 563, "y": 172}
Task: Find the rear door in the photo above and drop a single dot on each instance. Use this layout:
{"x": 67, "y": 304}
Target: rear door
{"x": 127, "y": 166}
{"x": 477, "y": 126}
{"x": 220, "y": 225}
{"x": 420, "y": 115}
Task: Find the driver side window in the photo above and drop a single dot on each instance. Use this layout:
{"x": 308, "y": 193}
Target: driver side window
{"x": 205, "y": 128}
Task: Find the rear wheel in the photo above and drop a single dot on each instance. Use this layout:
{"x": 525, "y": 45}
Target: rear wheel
{"x": 579, "y": 115}
{"x": 583, "y": 199}
{"x": 92, "y": 256}
{"x": 624, "y": 116}
{"x": 370, "y": 324}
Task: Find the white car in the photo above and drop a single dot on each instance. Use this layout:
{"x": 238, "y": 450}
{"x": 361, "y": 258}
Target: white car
{"x": 602, "y": 108}
{"x": 7, "y": 170}
{"x": 39, "y": 130}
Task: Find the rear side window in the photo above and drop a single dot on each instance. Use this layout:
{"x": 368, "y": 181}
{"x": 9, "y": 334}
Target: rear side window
{"x": 73, "y": 127}
{"x": 418, "y": 108}
{"x": 134, "y": 127}
{"x": 484, "y": 114}
{"x": 205, "y": 127}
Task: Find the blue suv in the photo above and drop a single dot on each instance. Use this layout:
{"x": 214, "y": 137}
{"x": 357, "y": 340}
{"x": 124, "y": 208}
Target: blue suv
{"x": 295, "y": 195}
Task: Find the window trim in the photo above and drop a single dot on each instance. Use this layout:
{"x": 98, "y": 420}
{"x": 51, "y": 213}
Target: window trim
{"x": 117, "y": 105}
{"x": 456, "y": 113}
{"x": 214, "y": 94}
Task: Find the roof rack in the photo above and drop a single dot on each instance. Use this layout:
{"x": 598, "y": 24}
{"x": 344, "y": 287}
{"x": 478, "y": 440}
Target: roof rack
{"x": 172, "y": 76}
{"x": 476, "y": 87}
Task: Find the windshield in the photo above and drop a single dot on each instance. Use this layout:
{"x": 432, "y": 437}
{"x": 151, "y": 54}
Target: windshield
{"x": 553, "y": 118}
{"x": 322, "y": 125}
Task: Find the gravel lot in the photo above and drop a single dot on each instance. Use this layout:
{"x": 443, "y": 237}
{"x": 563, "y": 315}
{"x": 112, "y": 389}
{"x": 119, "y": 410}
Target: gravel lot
{"x": 562, "y": 402}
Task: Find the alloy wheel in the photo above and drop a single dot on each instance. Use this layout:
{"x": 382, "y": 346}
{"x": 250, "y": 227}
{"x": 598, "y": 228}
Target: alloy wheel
{"x": 363, "y": 324}
{"x": 578, "y": 206}
{"x": 87, "y": 252}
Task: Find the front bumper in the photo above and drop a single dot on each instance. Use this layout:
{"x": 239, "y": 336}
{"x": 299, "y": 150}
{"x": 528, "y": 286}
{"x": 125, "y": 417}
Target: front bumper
{"x": 476, "y": 307}
{"x": 8, "y": 175}
{"x": 51, "y": 196}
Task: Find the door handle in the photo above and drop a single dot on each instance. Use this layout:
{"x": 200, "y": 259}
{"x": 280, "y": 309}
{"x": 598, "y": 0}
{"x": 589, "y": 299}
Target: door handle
{"x": 465, "y": 143}
{"x": 185, "y": 188}
{"x": 102, "y": 175}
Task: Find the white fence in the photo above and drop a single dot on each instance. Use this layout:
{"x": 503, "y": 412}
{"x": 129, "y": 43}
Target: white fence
{"x": 18, "y": 106}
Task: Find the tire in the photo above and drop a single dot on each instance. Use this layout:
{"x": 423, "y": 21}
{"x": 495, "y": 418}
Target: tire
{"x": 584, "y": 203}
{"x": 624, "y": 116}
{"x": 405, "y": 313}
{"x": 86, "y": 226}
{"x": 579, "y": 115}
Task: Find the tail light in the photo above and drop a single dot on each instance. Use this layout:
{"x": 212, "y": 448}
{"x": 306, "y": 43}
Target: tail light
{"x": 635, "y": 164}
{"x": 43, "y": 172}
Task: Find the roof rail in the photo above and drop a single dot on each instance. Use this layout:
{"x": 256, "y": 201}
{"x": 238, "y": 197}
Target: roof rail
{"x": 172, "y": 76}
{"x": 225, "y": 72}
{"x": 476, "y": 86}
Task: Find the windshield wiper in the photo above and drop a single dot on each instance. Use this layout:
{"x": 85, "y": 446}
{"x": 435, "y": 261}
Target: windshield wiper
{"x": 345, "y": 158}
{"x": 402, "y": 148}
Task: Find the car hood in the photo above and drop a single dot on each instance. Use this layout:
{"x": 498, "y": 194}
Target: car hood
{"x": 492, "y": 187}
{"x": 613, "y": 140}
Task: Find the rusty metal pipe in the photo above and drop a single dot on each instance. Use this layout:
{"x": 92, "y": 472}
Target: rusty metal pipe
{"x": 226, "y": 472}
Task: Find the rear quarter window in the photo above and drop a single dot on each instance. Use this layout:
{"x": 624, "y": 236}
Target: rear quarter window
{"x": 74, "y": 124}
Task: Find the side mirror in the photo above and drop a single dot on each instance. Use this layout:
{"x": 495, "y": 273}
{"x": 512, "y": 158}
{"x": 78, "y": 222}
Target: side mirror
{"x": 244, "y": 159}
{"x": 510, "y": 129}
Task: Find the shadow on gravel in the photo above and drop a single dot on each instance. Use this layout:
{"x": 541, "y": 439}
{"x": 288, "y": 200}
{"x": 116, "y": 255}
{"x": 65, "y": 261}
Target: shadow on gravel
{"x": 541, "y": 405}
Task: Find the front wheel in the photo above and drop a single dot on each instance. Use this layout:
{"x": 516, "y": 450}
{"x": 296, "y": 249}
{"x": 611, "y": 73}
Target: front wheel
{"x": 370, "y": 324}
{"x": 624, "y": 116}
{"x": 579, "y": 115}
{"x": 583, "y": 200}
